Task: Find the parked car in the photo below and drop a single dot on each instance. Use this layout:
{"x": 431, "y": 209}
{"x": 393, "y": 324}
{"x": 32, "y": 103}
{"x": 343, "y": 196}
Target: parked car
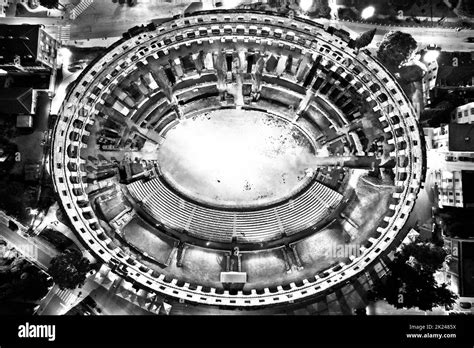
{"x": 449, "y": 158}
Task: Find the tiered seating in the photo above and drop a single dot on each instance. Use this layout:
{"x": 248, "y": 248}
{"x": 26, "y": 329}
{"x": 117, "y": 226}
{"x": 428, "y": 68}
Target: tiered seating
{"x": 274, "y": 108}
{"x": 291, "y": 217}
{"x": 199, "y": 106}
{"x": 279, "y": 95}
{"x": 156, "y": 104}
{"x": 308, "y": 209}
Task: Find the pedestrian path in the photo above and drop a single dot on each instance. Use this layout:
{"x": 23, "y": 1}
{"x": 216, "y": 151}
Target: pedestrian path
{"x": 81, "y": 7}
{"x": 66, "y": 296}
{"x": 64, "y": 34}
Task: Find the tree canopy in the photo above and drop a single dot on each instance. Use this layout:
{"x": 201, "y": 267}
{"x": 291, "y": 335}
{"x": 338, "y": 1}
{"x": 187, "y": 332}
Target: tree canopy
{"x": 411, "y": 73}
{"x": 395, "y": 49}
{"x": 69, "y": 269}
{"x": 410, "y": 282}
{"x": 50, "y": 3}
{"x": 365, "y": 38}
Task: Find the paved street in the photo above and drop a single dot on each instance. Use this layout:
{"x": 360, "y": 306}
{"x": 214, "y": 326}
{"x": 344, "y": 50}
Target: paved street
{"x": 32, "y": 247}
{"x": 59, "y": 302}
{"x": 111, "y": 304}
{"x": 106, "y": 19}
{"x": 383, "y": 308}
{"x": 447, "y": 39}
{"x": 60, "y": 92}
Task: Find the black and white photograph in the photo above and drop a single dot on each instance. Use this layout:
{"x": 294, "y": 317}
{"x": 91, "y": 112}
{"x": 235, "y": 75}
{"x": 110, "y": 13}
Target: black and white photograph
{"x": 170, "y": 168}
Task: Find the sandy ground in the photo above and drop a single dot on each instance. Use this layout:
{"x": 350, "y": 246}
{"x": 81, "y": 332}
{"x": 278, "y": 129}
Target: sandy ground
{"x": 235, "y": 156}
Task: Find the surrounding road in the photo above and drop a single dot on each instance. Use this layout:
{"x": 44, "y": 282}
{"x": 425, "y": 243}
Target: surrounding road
{"x": 32, "y": 248}
{"x": 60, "y": 92}
{"x": 106, "y": 19}
{"x": 437, "y": 161}
{"x": 447, "y": 39}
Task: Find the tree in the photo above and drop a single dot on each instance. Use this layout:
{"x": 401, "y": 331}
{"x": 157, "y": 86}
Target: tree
{"x": 395, "y": 49}
{"x": 321, "y": 10}
{"x": 49, "y": 3}
{"x": 410, "y": 281}
{"x": 365, "y": 38}
{"x": 411, "y": 73}
{"x": 69, "y": 269}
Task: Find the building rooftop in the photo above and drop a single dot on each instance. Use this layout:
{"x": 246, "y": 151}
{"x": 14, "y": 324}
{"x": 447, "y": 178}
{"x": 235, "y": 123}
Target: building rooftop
{"x": 21, "y": 41}
{"x": 24, "y": 121}
{"x": 467, "y": 270}
{"x": 16, "y": 101}
{"x": 461, "y": 137}
{"x": 468, "y": 188}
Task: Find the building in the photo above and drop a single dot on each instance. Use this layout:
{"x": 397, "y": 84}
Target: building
{"x": 17, "y": 101}
{"x": 464, "y": 113}
{"x": 455, "y": 188}
{"x": 453, "y": 93}
{"x": 454, "y": 137}
{"x": 455, "y": 69}
{"x": 3, "y": 6}
{"x": 24, "y": 121}
{"x": 459, "y": 272}
{"x": 455, "y": 142}
{"x": 26, "y": 48}
{"x": 32, "y": 172}
{"x": 429, "y": 79}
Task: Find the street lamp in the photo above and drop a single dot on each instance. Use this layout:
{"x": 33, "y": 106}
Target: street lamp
{"x": 306, "y": 5}
{"x": 367, "y": 12}
{"x": 430, "y": 55}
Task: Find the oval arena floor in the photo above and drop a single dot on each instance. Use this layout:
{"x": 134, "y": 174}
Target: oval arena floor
{"x": 298, "y": 213}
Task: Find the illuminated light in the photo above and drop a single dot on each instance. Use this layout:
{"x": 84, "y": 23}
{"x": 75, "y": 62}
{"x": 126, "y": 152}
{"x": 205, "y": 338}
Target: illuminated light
{"x": 65, "y": 56}
{"x": 430, "y": 55}
{"x": 230, "y": 3}
{"x": 305, "y": 5}
{"x": 367, "y": 12}
{"x": 33, "y": 211}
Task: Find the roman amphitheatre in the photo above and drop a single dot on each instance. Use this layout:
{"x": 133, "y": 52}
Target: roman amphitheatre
{"x": 224, "y": 159}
